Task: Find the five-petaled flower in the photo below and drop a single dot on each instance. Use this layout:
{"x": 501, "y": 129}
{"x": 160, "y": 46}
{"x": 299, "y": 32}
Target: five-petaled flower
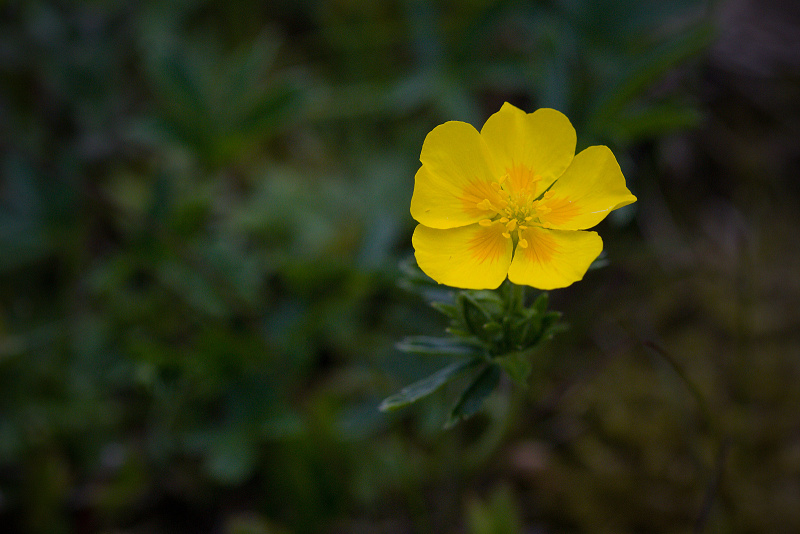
{"x": 512, "y": 200}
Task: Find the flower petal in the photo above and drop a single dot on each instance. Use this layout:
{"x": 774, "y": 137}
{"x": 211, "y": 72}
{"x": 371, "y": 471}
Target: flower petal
{"x": 471, "y": 257}
{"x": 525, "y": 145}
{"x": 554, "y": 258}
{"x": 456, "y": 174}
{"x": 589, "y": 189}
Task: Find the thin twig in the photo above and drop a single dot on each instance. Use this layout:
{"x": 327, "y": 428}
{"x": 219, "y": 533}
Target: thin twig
{"x": 713, "y": 488}
{"x": 690, "y": 385}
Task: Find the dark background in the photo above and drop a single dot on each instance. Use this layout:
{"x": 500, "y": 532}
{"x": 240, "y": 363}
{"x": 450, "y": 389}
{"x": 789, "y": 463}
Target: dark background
{"x": 203, "y": 209}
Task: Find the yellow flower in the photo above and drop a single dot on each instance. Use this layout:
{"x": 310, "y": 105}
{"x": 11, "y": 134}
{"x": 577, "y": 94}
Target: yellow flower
{"x": 512, "y": 200}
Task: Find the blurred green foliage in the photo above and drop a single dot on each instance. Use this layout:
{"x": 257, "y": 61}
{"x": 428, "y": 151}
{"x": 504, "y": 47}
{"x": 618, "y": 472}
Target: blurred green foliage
{"x": 203, "y": 207}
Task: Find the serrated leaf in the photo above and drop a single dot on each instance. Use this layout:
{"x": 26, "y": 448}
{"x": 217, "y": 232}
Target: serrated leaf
{"x": 472, "y": 398}
{"x": 426, "y": 386}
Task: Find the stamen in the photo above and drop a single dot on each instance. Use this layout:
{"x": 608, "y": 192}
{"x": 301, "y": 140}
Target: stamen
{"x": 518, "y": 209}
{"x": 486, "y": 205}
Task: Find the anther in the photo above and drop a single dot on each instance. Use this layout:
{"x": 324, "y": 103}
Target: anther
{"x": 486, "y": 205}
{"x": 485, "y": 222}
{"x": 523, "y": 243}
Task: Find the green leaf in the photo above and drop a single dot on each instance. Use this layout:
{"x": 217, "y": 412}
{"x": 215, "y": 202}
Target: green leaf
{"x": 426, "y": 386}
{"x": 643, "y": 73}
{"x": 438, "y": 346}
{"x": 448, "y": 309}
{"x": 493, "y": 327}
{"x": 271, "y": 110}
{"x": 472, "y": 398}
{"x": 518, "y": 366}
{"x": 653, "y": 121}
{"x": 540, "y": 304}
{"x": 551, "y": 325}
{"x": 473, "y": 315}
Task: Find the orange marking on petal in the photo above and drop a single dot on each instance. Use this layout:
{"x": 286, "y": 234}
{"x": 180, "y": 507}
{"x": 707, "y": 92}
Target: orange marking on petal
{"x": 522, "y": 179}
{"x": 486, "y": 246}
{"x": 479, "y": 197}
{"x": 541, "y": 248}
{"x": 559, "y": 210}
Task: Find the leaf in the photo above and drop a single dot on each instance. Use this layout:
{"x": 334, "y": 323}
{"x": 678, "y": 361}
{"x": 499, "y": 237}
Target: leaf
{"x": 493, "y": 328}
{"x": 472, "y": 315}
{"x": 654, "y": 121}
{"x": 472, "y": 398}
{"x": 438, "y": 346}
{"x": 551, "y": 325}
{"x": 540, "y": 304}
{"x": 426, "y": 386}
{"x": 274, "y": 107}
{"x": 517, "y": 365}
{"x": 643, "y": 73}
{"x": 448, "y": 309}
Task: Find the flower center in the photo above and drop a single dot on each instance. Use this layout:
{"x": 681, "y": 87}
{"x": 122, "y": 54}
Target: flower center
{"x": 517, "y": 210}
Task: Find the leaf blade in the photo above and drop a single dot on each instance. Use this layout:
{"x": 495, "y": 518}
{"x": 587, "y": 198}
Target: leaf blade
{"x": 426, "y": 386}
{"x": 472, "y": 398}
